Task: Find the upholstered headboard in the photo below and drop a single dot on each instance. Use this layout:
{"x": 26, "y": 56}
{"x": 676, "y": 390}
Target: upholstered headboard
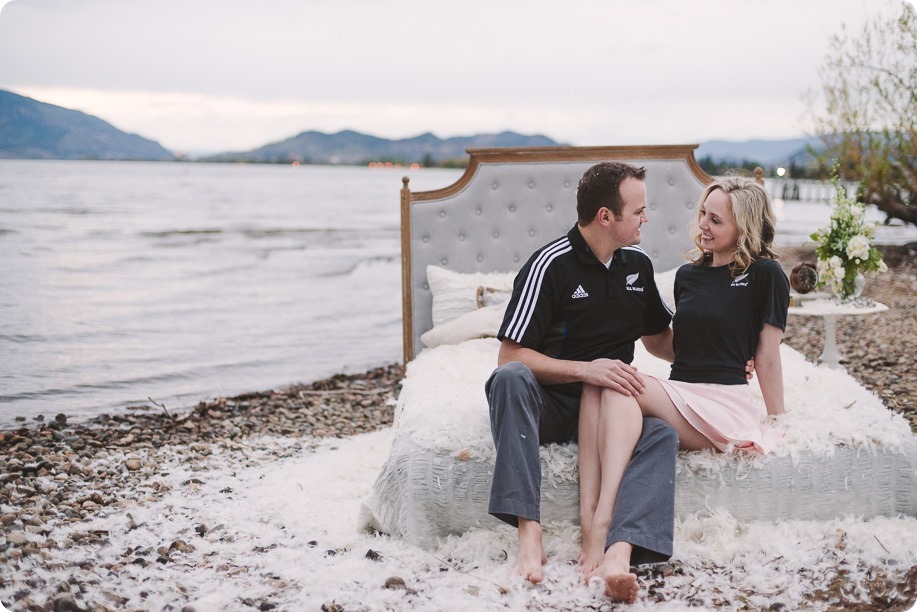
{"x": 511, "y": 201}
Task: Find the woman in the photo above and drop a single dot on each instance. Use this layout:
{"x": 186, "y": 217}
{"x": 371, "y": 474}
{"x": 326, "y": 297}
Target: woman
{"x": 731, "y": 305}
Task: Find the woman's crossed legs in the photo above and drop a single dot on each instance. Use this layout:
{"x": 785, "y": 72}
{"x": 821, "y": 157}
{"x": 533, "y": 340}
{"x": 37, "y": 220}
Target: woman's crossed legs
{"x": 610, "y": 424}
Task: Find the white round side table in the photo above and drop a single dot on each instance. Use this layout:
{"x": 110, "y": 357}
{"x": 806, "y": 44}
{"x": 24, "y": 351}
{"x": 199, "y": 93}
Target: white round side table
{"x": 820, "y": 305}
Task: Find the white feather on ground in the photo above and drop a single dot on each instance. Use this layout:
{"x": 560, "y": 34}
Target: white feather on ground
{"x": 272, "y": 509}
{"x": 270, "y": 522}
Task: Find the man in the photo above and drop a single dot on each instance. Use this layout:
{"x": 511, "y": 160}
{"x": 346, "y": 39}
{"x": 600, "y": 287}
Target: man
{"x": 578, "y": 306}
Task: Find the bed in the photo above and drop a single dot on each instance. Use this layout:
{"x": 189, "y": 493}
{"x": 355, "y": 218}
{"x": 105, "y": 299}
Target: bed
{"x": 844, "y": 453}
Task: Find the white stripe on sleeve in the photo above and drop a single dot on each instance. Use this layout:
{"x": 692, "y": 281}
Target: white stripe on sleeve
{"x": 530, "y": 291}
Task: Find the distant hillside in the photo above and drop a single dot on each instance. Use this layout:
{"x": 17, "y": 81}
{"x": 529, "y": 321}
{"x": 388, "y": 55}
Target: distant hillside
{"x": 30, "y": 129}
{"x": 766, "y": 152}
{"x": 349, "y": 147}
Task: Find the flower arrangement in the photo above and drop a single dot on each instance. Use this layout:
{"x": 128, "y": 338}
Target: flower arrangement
{"x": 844, "y": 248}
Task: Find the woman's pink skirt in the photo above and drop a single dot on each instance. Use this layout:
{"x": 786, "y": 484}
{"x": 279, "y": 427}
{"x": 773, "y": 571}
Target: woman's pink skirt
{"x": 724, "y": 414}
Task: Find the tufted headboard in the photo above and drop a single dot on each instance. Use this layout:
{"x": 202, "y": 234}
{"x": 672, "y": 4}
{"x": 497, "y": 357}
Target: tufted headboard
{"x": 511, "y": 201}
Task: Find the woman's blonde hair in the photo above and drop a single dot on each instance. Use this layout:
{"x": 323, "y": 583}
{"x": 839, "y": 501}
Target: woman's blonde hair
{"x": 754, "y": 217}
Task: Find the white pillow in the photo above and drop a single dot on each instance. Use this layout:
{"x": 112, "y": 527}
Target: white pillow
{"x": 479, "y": 323}
{"x": 488, "y": 296}
{"x": 456, "y": 293}
{"x": 665, "y": 282}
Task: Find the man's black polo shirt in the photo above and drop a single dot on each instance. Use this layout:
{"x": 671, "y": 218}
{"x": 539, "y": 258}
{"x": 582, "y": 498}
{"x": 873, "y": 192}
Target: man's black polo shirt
{"x": 566, "y": 304}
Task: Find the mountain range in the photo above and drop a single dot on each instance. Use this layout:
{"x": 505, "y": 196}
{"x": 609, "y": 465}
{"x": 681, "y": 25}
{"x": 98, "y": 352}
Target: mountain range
{"x": 764, "y": 152}
{"x": 30, "y": 129}
{"x": 349, "y": 147}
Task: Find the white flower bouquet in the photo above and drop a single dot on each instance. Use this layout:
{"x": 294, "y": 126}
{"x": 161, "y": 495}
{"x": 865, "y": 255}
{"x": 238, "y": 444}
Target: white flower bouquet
{"x": 844, "y": 248}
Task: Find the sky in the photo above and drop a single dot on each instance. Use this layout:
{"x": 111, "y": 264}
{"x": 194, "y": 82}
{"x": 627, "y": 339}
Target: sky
{"x": 202, "y": 76}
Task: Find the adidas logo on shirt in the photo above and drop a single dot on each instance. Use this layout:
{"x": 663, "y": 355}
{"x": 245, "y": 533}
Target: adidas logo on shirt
{"x": 630, "y": 280}
{"x": 737, "y": 281}
{"x": 580, "y": 293}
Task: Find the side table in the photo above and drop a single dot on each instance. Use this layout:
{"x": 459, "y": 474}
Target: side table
{"x": 830, "y": 309}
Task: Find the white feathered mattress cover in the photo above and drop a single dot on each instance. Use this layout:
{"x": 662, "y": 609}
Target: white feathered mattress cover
{"x": 443, "y": 407}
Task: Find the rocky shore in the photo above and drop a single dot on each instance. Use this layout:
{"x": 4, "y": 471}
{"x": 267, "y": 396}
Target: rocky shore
{"x": 58, "y": 477}
{"x": 55, "y": 475}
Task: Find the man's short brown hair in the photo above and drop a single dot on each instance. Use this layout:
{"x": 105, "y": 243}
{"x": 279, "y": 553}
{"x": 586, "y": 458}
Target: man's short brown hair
{"x": 601, "y": 186}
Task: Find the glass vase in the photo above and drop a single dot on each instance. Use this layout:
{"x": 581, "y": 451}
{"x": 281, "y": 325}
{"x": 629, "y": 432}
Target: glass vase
{"x": 850, "y": 290}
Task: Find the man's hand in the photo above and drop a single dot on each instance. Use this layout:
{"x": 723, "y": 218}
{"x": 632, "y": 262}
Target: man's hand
{"x": 614, "y": 374}
{"x": 750, "y": 369}
{"x": 610, "y": 373}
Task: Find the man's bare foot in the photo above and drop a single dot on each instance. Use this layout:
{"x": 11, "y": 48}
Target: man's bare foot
{"x": 531, "y": 557}
{"x": 620, "y": 584}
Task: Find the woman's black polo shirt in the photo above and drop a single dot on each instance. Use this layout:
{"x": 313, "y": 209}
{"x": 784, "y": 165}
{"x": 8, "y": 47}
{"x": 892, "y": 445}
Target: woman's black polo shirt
{"x": 566, "y": 304}
{"x": 719, "y": 319}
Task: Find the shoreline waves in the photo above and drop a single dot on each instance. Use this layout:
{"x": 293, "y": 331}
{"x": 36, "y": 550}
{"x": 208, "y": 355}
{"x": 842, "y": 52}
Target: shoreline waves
{"x": 213, "y": 508}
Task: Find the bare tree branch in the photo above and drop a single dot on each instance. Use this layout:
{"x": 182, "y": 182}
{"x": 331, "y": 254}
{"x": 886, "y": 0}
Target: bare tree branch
{"x": 867, "y": 124}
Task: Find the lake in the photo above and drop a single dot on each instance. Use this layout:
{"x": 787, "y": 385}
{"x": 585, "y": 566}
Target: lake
{"x": 125, "y": 281}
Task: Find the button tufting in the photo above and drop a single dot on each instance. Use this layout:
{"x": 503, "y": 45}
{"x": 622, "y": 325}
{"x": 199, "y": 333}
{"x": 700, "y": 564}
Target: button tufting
{"x": 515, "y": 259}
{"x": 445, "y": 261}
{"x": 671, "y": 182}
{"x": 531, "y": 184}
{"x": 442, "y": 214}
{"x": 549, "y": 208}
{"x": 426, "y": 286}
{"x": 690, "y": 205}
{"x": 462, "y": 237}
{"x": 531, "y": 232}
{"x": 426, "y": 239}
{"x": 496, "y": 234}
{"x": 512, "y": 208}
{"x": 493, "y": 185}
{"x": 477, "y": 211}
{"x": 480, "y": 258}
{"x": 672, "y": 231}
{"x": 653, "y": 206}
{"x": 655, "y": 253}
{"x": 567, "y": 184}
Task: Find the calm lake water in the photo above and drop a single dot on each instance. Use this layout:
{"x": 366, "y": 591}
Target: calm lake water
{"x": 125, "y": 281}
{"x": 183, "y": 282}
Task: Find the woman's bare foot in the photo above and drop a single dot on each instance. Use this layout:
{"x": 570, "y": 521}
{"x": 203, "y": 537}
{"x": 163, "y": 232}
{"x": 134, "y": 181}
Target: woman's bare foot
{"x": 620, "y": 584}
{"x": 584, "y": 533}
{"x": 622, "y": 587}
{"x": 593, "y": 549}
{"x": 531, "y": 557}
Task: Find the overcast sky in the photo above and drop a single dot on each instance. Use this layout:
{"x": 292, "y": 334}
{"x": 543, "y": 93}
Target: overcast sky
{"x": 208, "y": 75}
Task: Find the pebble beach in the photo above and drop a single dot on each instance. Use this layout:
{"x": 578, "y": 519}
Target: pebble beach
{"x": 71, "y": 492}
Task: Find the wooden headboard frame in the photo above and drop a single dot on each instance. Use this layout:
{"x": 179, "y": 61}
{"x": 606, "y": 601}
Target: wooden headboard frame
{"x": 511, "y": 201}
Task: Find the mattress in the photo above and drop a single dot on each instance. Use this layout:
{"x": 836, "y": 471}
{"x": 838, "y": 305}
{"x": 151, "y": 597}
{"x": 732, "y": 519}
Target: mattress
{"x": 844, "y": 454}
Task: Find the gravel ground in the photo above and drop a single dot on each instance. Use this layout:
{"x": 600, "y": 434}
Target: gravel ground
{"x": 55, "y": 476}
{"x": 54, "y": 473}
